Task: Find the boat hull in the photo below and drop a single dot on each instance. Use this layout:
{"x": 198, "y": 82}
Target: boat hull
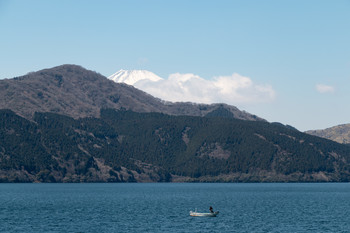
{"x": 196, "y": 214}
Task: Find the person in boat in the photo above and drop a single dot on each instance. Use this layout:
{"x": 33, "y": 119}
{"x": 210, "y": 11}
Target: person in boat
{"x": 211, "y": 209}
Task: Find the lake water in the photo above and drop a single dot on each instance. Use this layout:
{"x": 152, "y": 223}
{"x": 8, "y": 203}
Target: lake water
{"x": 164, "y": 207}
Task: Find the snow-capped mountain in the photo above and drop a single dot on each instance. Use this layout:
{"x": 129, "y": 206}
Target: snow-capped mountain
{"x": 133, "y": 76}
{"x": 188, "y": 87}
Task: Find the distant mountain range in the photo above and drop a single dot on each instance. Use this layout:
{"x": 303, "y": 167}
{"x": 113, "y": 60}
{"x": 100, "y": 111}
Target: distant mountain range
{"x": 339, "y": 133}
{"x": 68, "y": 124}
{"x": 74, "y": 91}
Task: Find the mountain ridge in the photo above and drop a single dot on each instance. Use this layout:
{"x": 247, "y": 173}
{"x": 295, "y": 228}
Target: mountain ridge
{"x": 74, "y": 91}
{"x": 68, "y": 124}
{"x": 338, "y": 133}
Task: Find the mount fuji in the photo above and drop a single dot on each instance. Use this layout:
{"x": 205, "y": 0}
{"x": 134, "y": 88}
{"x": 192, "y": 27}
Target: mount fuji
{"x": 131, "y": 77}
{"x": 233, "y": 89}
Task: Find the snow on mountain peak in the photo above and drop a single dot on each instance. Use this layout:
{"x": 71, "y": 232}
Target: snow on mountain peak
{"x": 133, "y": 76}
{"x": 233, "y": 89}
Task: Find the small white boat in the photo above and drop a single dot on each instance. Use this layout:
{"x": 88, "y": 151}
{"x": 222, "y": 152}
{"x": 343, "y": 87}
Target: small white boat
{"x": 196, "y": 214}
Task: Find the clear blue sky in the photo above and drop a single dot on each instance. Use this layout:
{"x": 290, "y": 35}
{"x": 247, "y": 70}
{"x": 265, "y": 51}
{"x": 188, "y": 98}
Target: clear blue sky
{"x": 290, "y": 45}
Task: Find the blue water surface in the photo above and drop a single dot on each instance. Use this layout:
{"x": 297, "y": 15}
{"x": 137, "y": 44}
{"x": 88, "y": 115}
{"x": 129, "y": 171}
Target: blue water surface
{"x": 164, "y": 207}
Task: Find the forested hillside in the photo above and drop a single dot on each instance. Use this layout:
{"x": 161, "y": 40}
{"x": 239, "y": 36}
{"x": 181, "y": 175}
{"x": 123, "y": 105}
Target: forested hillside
{"x": 125, "y": 146}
